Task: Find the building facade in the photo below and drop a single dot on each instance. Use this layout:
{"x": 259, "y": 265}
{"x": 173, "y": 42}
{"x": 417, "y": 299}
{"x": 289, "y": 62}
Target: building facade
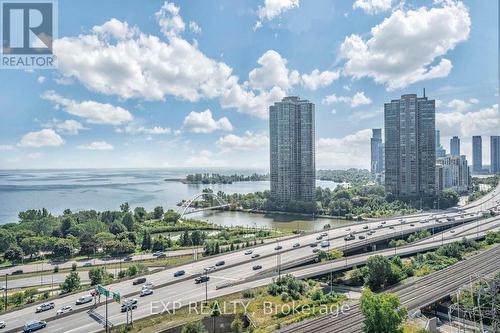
{"x": 377, "y": 151}
{"x": 452, "y": 172}
{"x": 410, "y": 147}
{"x": 495, "y": 154}
{"x": 440, "y": 151}
{"x": 455, "y": 146}
{"x": 292, "y": 151}
{"x": 477, "y": 154}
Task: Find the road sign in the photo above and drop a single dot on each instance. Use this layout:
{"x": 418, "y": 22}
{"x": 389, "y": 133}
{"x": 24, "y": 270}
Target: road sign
{"x": 116, "y": 297}
{"x": 103, "y": 291}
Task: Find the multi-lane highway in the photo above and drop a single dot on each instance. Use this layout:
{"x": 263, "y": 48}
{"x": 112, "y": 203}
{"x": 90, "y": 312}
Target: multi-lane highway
{"x": 237, "y": 268}
{"x": 414, "y": 295}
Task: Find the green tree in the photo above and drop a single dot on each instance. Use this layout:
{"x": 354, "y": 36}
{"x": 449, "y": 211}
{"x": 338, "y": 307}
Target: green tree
{"x": 158, "y": 212}
{"x": 140, "y": 214}
{"x": 14, "y": 254}
{"x": 124, "y": 207}
{"x": 378, "y": 272}
{"x": 96, "y": 275}
{"x": 383, "y": 312}
{"x": 237, "y": 325}
{"x": 63, "y": 248}
{"x": 128, "y": 221}
{"x": 146, "y": 241}
{"x": 194, "y": 327}
{"x": 71, "y": 283}
{"x": 32, "y": 245}
{"x": 6, "y": 239}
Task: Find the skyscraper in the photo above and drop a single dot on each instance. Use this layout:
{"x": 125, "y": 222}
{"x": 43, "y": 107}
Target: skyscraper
{"x": 440, "y": 151}
{"x": 455, "y": 146}
{"x": 495, "y": 154}
{"x": 477, "y": 153}
{"x": 377, "y": 151}
{"x": 410, "y": 147}
{"x": 291, "y": 131}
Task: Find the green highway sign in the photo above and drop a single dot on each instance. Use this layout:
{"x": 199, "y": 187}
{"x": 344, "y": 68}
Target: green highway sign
{"x": 116, "y": 297}
{"x": 103, "y": 291}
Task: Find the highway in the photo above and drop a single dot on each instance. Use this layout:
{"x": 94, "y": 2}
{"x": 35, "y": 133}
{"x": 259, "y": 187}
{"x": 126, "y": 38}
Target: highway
{"x": 238, "y": 267}
{"x": 414, "y": 295}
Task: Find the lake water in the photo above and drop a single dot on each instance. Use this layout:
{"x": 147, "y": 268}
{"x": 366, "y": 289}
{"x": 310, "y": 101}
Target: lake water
{"x": 106, "y": 189}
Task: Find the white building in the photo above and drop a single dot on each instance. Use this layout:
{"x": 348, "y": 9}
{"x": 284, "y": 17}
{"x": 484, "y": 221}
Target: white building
{"x": 452, "y": 172}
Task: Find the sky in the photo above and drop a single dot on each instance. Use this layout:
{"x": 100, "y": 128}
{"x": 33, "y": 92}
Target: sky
{"x": 188, "y": 83}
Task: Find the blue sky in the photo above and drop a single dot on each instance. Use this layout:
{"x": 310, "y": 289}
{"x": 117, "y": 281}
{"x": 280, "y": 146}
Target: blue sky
{"x": 188, "y": 83}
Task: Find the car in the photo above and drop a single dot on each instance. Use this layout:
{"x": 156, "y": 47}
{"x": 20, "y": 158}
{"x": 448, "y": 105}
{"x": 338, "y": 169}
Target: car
{"x": 148, "y": 285}
{"x": 34, "y": 325}
{"x": 129, "y": 258}
{"x": 17, "y": 272}
{"x": 361, "y": 237}
{"x": 201, "y": 279}
{"x": 452, "y": 231}
{"x": 210, "y": 268}
{"x": 412, "y": 225}
{"x": 313, "y": 245}
{"x": 296, "y": 245}
{"x": 84, "y": 299}
{"x": 139, "y": 281}
{"x": 64, "y": 309}
{"x": 179, "y": 273}
{"x": 129, "y": 305}
{"x": 146, "y": 292}
{"x": 324, "y": 234}
{"x": 348, "y": 229}
{"x": 256, "y": 255}
{"x": 220, "y": 263}
{"x": 157, "y": 253}
{"x": 256, "y": 267}
{"x": 450, "y": 219}
{"x": 248, "y": 252}
{"x": 87, "y": 264}
{"x": 3, "y": 324}
{"x": 384, "y": 222}
{"x": 325, "y": 244}
{"x": 316, "y": 250}
{"x": 365, "y": 227}
{"x": 349, "y": 237}
{"x": 279, "y": 247}
{"x": 319, "y": 237}
{"x": 391, "y": 227}
{"x": 44, "y": 307}
{"x": 161, "y": 256}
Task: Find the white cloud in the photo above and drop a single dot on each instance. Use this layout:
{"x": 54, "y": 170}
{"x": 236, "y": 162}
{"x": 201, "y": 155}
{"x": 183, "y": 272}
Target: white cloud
{"x": 465, "y": 124}
{"x": 319, "y": 79}
{"x": 44, "y": 138}
{"x": 97, "y": 145}
{"x": 346, "y": 152}
{"x": 93, "y": 112}
{"x": 203, "y": 122}
{"x": 357, "y": 99}
{"x": 272, "y": 73}
{"x": 136, "y": 129}
{"x": 408, "y": 46}
{"x": 373, "y": 6}
{"x": 40, "y": 79}
{"x": 249, "y": 141}
{"x": 274, "y": 8}
{"x": 194, "y": 27}
{"x": 6, "y": 147}
{"x": 205, "y": 158}
{"x": 461, "y": 105}
{"x": 70, "y": 126}
{"x": 171, "y": 23}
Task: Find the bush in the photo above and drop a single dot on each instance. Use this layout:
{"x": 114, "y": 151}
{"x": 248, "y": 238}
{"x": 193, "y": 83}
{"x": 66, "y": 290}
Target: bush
{"x": 73, "y": 266}
{"x": 56, "y": 269}
{"x": 248, "y": 293}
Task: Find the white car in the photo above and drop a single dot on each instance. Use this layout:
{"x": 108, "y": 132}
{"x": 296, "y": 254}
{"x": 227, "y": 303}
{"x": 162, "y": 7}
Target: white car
{"x": 64, "y": 309}
{"x": 146, "y": 292}
{"x": 148, "y": 285}
{"x": 84, "y": 299}
{"x": 2, "y": 324}
{"x": 210, "y": 268}
{"x": 44, "y": 307}
{"x": 247, "y": 252}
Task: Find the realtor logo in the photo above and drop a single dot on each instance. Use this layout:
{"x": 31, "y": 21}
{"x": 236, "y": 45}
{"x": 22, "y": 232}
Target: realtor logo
{"x": 28, "y": 32}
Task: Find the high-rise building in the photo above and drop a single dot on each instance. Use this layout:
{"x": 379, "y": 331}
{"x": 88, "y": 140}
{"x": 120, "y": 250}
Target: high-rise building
{"x": 477, "y": 153}
{"x": 455, "y": 146}
{"x": 495, "y": 154}
{"x": 410, "y": 147}
{"x": 452, "y": 172}
{"x": 292, "y": 153}
{"x": 377, "y": 151}
{"x": 440, "y": 151}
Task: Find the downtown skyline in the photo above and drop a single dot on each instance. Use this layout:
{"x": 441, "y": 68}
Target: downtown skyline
{"x": 65, "y": 118}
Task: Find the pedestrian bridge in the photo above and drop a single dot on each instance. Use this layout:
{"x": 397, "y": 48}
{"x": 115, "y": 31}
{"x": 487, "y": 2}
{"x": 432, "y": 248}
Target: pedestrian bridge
{"x": 184, "y": 208}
